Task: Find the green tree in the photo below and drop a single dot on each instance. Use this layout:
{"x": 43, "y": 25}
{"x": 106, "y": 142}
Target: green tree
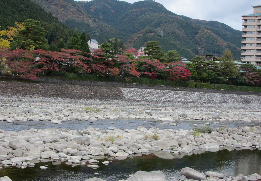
{"x": 173, "y": 56}
{"x": 197, "y": 69}
{"x": 117, "y": 45}
{"x": 108, "y": 49}
{"x": 227, "y": 65}
{"x": 31, "y": 37}
{"x": 84, "y": 42}
{"x": 153, "y": 50}
{"x": 245, "y": 68}
{"x": 74, "y": 42}
{"x": 84, "y": 47}
{"x": 204, "y": 71}
{"x": 60, "y": 44}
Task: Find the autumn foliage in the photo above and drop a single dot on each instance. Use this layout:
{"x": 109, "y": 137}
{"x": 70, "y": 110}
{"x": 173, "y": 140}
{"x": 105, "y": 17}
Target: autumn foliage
{"x": 254, "y": 78}
{"x": 31, "y": 64}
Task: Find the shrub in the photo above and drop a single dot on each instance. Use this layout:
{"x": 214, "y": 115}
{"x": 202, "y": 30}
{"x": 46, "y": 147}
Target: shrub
{"x": 203, "y": 129}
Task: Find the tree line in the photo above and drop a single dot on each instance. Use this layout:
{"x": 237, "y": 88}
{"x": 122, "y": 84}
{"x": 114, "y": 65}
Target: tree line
{"x": 25, "y": 51}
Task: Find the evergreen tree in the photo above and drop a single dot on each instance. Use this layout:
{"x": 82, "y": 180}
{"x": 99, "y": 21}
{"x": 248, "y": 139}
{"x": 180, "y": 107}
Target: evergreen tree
{"x": 60, "y": 45}
{"x": 153, "y": 50}
{"x": 74, "y": 42}
{"x": 31, "y": 37}
{"x": 228, "y": 66}
{"x": 108, "y": 49}
{"x": 173, "y": 56}
{"x": 117, "y": 45}
{"x": 84, "y": 47}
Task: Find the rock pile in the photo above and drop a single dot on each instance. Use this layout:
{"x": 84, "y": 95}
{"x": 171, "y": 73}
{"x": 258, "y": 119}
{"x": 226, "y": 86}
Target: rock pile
{"x": 75, "y": 147}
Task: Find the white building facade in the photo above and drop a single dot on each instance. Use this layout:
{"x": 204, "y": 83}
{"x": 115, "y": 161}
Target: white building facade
{"x": 251, "y": 37}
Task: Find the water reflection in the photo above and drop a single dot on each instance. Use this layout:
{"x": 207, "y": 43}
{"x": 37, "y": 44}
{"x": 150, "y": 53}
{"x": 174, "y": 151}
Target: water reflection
{"x": 248, "y": 163}
{"x": 230, "y": 163}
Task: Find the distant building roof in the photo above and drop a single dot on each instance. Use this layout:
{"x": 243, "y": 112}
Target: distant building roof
{"x": 257, "y": 14}
{"x": 93, "y": 41}
{"x": 186, "y": 61}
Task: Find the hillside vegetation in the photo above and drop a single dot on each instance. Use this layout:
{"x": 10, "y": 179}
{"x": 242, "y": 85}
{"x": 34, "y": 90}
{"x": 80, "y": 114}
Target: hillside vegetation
{"x": 12, "y": 11}
{"x": 135, "y": 24}
{"x": 145, "y": 21}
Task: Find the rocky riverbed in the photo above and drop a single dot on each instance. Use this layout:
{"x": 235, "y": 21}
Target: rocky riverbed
{"x": 59, "y": 102}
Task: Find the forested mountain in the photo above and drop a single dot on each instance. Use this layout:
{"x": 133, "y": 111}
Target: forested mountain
{"x": 12, "y": 11}
{"x": 74, "y": 16}
{"x": 135, "y": 24}
{"x": 150, "y": 21}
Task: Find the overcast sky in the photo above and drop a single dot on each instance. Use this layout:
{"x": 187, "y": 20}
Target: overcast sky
{"x": 224, "y": 11}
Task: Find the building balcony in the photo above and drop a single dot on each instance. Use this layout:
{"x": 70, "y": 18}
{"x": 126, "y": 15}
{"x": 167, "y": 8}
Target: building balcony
{"x": 247, "y": 53}
{"x": 249, "y": 29}
{"x": 248, "y": 35}
{"x": 247, "y": 59}
{"x": 248, "y": 41}
{"x": 248, "y": 23}
{"x": 244, "y": 47}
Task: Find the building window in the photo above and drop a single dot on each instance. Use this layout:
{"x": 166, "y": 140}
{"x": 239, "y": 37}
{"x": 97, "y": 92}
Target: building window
{"x": 250, "y": 44}
{"x": 250, "y": 38}
{"x": 249, "y": 57}
{"x": 247, "y": 51}
{"x": 250, "y": 26}
{"x": 250, "y": 32}
{"x": 250, "y": 20}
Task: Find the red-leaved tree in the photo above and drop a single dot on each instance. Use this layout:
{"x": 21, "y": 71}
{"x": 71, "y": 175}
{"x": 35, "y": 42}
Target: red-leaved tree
{"x": 177, "y": 71}
{"x": 254, "y": 78}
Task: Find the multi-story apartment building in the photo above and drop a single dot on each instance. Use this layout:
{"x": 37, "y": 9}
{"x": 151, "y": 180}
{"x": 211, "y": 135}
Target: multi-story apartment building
{"x": 251, "y": 37}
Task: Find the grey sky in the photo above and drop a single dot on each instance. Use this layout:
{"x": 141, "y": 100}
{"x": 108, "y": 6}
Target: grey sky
{"x": 224, "y": 11}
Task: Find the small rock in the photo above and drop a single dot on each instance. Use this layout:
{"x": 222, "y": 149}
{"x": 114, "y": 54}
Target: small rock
{"x": 43, "y": 167}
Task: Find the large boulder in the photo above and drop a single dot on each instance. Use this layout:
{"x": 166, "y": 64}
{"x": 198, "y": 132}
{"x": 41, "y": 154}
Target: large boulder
{"x": 19, "y": 143}
{"x": 94, "y": 179}
{"x": 5, "y": 178}
{"x": 148, "y": 176}
{"x": 190, "y": 173}
{"x": 164, "y": 155}
{"x": 4, "y": 151}
{"x": 167, "y": 144}
{"x": 215, "y": 174}
{"x": 82, "y": 140}
{"x": 49, "y": 154}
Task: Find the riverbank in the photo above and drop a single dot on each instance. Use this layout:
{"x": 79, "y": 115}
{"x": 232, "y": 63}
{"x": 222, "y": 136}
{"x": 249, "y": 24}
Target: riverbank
{"x": 58, "y": 103}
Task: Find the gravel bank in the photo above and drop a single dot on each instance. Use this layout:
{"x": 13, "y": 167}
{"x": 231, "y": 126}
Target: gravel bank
{"x": 59, "y": 102}
{"x": 70, "y": 100}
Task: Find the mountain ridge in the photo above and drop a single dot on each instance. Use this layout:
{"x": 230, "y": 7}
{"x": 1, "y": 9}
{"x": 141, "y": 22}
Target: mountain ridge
{"x": 143, "y": 21}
